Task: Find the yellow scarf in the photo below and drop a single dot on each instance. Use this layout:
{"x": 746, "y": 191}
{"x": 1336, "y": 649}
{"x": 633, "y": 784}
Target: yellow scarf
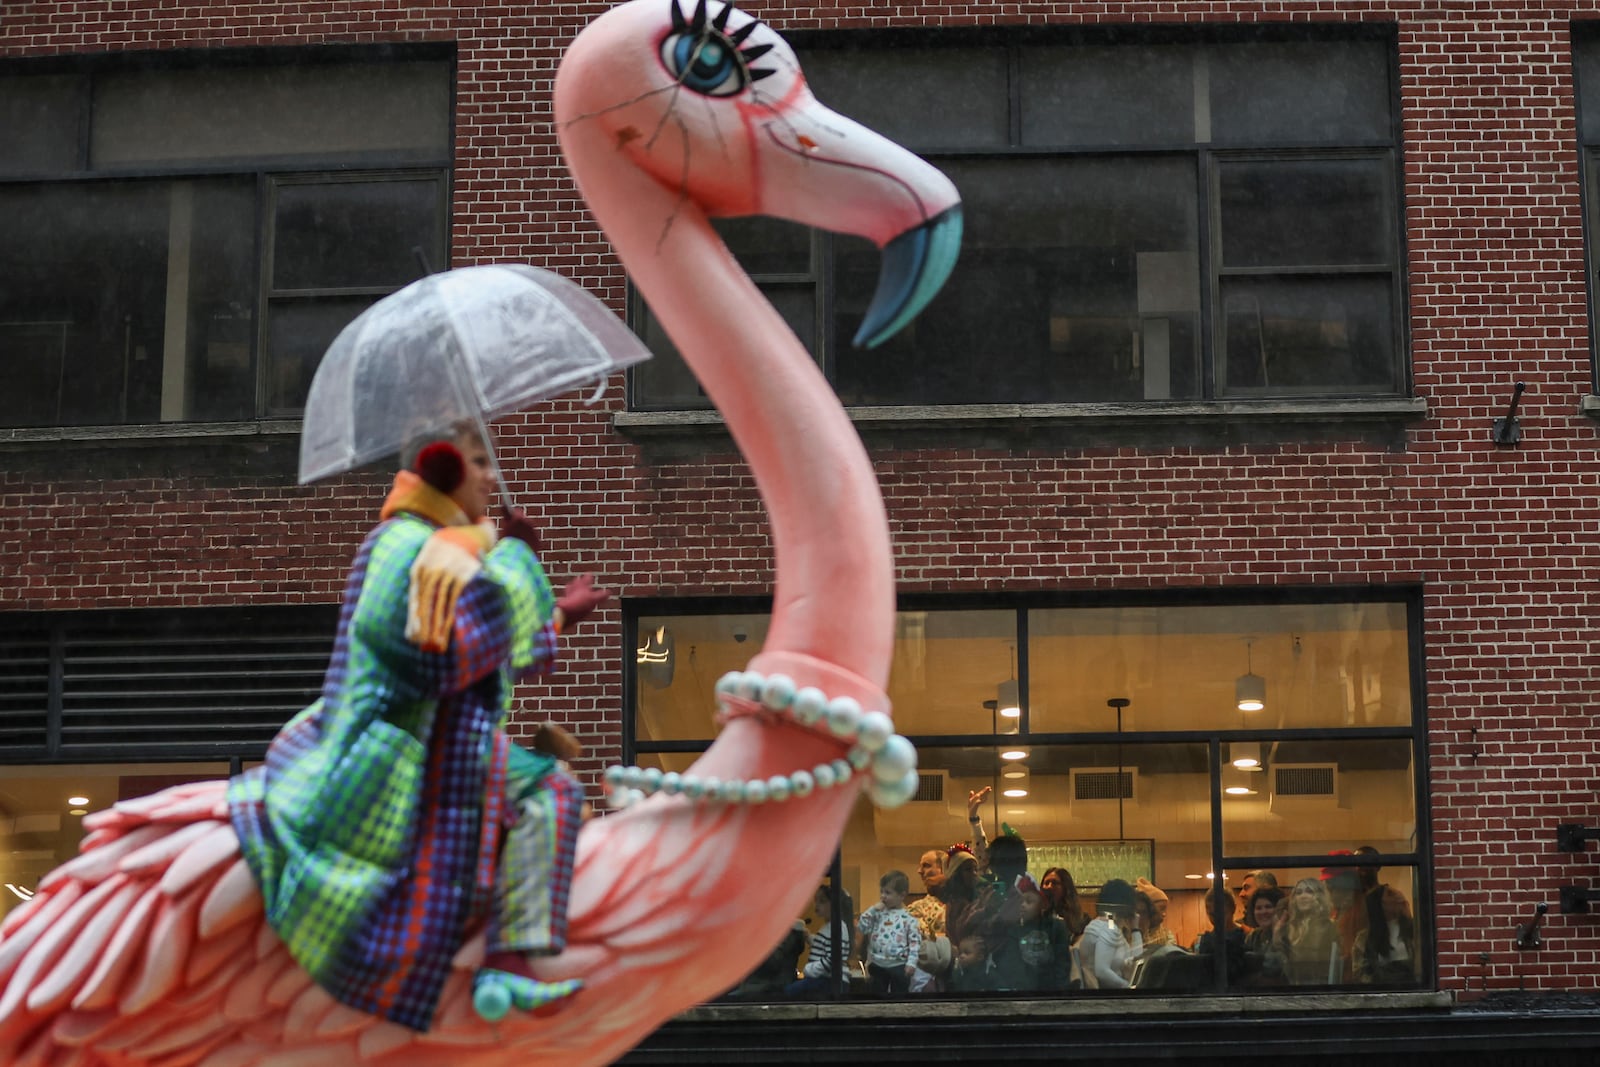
{"x": 450, "y": 559}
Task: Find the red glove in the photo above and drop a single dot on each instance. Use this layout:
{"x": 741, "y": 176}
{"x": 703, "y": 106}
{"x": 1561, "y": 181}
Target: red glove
{"x": 579, "y": 600}
{"x": 515, "y": 523}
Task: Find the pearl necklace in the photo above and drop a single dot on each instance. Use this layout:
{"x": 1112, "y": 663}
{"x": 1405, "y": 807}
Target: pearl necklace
{"x": 882, "y": 759}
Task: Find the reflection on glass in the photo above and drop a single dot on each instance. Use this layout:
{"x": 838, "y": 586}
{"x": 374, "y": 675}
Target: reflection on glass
{"x": 42, "y": 809}
{"x": 1325, "y": 665}
{"x": 677, "y": 663}
{"x": 1311, "y": 796}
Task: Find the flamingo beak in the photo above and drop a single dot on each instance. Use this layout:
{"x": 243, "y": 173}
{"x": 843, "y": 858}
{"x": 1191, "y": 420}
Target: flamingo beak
{"x": 915, "y": 266}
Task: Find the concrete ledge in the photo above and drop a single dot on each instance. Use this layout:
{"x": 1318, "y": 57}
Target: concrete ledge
{"x": 1067, "y": 1007}
{"x": 1590, "y": 406}
{"x": 148, "y": 433}
{"x": 999, "y": 416}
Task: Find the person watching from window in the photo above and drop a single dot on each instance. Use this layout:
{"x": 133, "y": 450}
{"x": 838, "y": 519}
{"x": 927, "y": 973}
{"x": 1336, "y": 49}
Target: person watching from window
{"x": 890, "y": 937}
{"x": 1386, "y": 951}
{"x": 933, "y": 960}
{"x": 1150, "y": 909}
{"x": 1112, "y": 942}
{"x": 818, "y": 975}
{"x": 1310, "y": 939}
{"x": 1230, "y": 939}
{"x": 1061, "y": 896}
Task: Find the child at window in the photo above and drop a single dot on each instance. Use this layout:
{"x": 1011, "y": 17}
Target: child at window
{"x": 890, "y": 937}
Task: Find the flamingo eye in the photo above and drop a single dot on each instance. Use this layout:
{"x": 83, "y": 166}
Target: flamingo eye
{"x": 705, "y": 63}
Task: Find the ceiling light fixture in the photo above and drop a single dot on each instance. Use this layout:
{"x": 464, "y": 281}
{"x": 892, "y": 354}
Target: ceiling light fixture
{"x": 1013, "y": 770}
{"x": 1250, "y": 690}
{"x": 1015, "y": 753}
{"x": 77, "y": 802}
{"x": 1014, "y": 792}
{"x": 1245, "y": 755}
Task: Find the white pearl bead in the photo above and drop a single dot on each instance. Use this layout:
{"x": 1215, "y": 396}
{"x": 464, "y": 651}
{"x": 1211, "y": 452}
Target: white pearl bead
{"x": 613, "y": 777}
{"x": 778, "y": 787}
{"x": 671, "y": 783}
{"x": 874, "y": 730}
{"x": 893, "y": 794}
{"x": 713, "y": 788}
{"x": 729, "y": 683}
{"x": 895, "y": 758}
{"x": 692, "y": 786}
{"x": 617, "y": 798}
{"x": 733, "y": 792}
{"x": 844, "y": 715}
{"x": 632, "y": 777}
{"x": 635, "y": 797}
{"x": 778, "y": 693}
{"x": 823, "y": 775}
{"x": 651, "y": 780}
{"x": 841, "y": 771}
{"x": 749, "y": 685}
{"x": 801, "y": 783}
{"x": 859, "y": 757}
{"x": 809, "y": 705}
{"x": 755, "y": 791}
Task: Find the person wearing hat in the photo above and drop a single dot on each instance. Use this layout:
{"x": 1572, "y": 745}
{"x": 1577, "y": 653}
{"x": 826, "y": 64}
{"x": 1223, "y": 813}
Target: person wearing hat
{"x": 1111, "y": 942}
{"x": 1150, "y": 906}
{"x": 395, "y": 807}
{"x": 959, "y": 894}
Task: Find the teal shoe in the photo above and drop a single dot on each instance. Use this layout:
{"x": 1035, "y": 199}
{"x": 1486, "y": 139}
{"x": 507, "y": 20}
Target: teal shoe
{"x": 495, "y": 993}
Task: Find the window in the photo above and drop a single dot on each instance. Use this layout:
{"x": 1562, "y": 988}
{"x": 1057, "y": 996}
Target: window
{"x": 1128, "y": 758}
{"x": 1150, "y": 219}
{"x": 1586, "y": 61}
{"x": 184, "y": 242}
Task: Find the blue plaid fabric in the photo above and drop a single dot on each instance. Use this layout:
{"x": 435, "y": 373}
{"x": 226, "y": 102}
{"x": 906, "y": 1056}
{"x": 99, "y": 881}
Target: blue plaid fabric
{"x": 374, "y": 826}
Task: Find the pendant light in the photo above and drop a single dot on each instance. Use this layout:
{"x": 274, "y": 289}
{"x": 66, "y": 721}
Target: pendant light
{"x": 1250, "y": 690}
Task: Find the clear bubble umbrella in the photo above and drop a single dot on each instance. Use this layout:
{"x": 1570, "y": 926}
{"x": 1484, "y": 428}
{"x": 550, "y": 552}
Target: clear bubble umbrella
{"x": 469, "y": 344}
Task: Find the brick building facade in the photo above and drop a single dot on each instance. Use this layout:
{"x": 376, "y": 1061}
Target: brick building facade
{"x": 1235, "y": 495}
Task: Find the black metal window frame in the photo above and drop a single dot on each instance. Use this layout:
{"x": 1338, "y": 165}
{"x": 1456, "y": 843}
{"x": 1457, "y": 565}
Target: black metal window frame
{"x": 1585, "y": 38}
{"x": 157, "y": 684}
{"x": 1206, "y": 157}
{"x": 267, "y": 173}
{"x": 1418, "y": 860}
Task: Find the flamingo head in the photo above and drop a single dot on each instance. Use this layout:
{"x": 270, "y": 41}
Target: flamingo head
{"x": 711, "y": 104}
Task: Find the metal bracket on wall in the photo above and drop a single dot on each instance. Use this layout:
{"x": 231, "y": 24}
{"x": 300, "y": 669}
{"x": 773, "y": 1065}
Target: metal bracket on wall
{"x": 1528, "y": 933}
{"x": 1575, "y": 899}
{"x": 1571, "y": 836}
{"x": 1507, "y": 430}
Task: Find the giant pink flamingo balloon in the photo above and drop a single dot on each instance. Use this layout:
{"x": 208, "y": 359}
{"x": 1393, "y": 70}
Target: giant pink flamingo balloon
{"x": 150, "y": 948}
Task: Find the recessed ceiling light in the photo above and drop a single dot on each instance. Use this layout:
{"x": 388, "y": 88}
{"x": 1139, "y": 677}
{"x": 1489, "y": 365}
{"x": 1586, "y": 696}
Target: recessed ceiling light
{"x": 1194, "y": 877}
{"x": 78, "y": 811}
{"x": 1016, "y": 811}
{"x": 77, "y": 802}
{"x": 1239, "y": 791}
{"x": 1015, "y": 793}
{"x": 1015, "y": 753}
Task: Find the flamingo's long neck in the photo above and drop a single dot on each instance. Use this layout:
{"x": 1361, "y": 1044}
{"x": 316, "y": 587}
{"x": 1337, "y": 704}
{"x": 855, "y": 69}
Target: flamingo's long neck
{"x": 834, "y": 599}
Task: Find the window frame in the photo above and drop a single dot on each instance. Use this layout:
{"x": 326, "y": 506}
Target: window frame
{"x": 1209, "y": 319}
{"x": 268, "y": 172}
{"x": 1418, "y": 860}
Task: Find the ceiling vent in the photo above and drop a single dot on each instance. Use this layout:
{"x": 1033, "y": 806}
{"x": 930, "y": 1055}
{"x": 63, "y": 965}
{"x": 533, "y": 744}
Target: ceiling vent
{"x": 930, "y": 787}
{"x": 1104, "y": 783}
{"x": 1301, "y": 785}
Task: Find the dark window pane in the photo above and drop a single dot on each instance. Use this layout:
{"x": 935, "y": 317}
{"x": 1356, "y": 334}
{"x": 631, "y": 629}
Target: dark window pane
{"x": 298, "y": 335}
{"x": 83, "y": 302}
{"x": 931, "y": 97}
{"x": 1307, "y": 335}
{"x": 666, "y": 381}
{"x": 220, "y": 318}
{"x": 304, "y": 110}
{"x": 1317, "y": 212}
{"x": 349, "y": 234}
{"x": 1108, "y": 96}
{"x": 1328, "y": 92}
{"x": 39, "y": 123}
{"x": 768, "y": 246}
{"x": 1078, "y": 282}
{"x": 1586, "y": 57}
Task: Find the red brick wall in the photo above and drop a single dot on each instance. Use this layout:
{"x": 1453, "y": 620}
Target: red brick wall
{"x": 1505, "y": 541}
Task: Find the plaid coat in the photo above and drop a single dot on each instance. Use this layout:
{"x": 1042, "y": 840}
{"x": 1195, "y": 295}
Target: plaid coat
{"x": 372, "y": 829}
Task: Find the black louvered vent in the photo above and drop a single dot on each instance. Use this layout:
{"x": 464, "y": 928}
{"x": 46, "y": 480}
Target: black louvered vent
{"x": 160, "y": 679}
{"x": 24, "y": 688}
{"x": 1102, "y": 785}
{"x": 1303, "y": 781}
{"x": 930, "y": 787}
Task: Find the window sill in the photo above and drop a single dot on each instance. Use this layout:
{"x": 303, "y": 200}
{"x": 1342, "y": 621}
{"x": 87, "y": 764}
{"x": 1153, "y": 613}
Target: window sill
{"x": 1067, "y": 1007}
{"x": 146, "y": 433}
{"x": 1151, "y": 424}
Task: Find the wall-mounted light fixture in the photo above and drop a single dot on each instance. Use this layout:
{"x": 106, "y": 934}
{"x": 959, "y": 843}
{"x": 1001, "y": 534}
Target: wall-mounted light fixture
{"x": 1250, "y": 689}
{"x": 1528, "y": 933}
